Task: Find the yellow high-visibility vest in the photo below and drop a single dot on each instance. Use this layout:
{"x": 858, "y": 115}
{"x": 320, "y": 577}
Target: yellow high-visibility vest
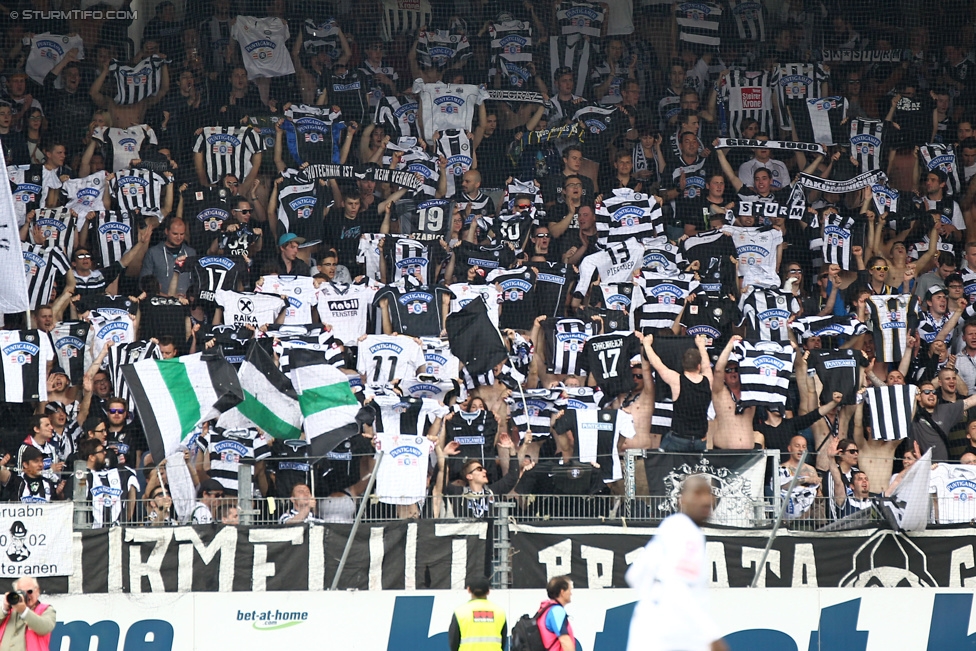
{"x": 481, "y": 623}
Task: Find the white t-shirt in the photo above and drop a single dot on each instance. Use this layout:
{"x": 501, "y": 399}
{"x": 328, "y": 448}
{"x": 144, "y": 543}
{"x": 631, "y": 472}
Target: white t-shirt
{"x": 402, "y": 476}
{"x": 671, "y": 578}
{"x": 465, "y": 293}
{"x": 86, "y": 194}
{"x": 47, "y": 50}
{"x": 248, "y": 309}
{"x": 620, "y": 20}
{"x": 747, "y": 172}
{"x": 263, "y": 48}
{"x": 301, "y": 294}
{"x": 126, "y": 143}
{"x": 384, "y": 358}
{"x": 447, "y": 106}
{"x": 954, "y": 486}
{"x": 345, "y": 308}
{"x": 957, "y": 219}
{"x": 757, "y": 251}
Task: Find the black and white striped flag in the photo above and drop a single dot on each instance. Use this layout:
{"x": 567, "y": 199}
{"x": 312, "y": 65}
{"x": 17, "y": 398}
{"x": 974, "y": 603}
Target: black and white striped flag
{"x": 891, "y": 411}
{"x": 764, "y": 373}
{"x": 942, "y": 157}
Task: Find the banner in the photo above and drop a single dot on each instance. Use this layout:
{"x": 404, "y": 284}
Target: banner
{"x": 517, "y": 96}
{"x": 598, "y": 557}
{"x": 36, "y": 539}
{"x": 788, "y": 145}
{"x": 13, "y": 290}
{"x": 400, "y": 178}
{"x": 736, "y": 478}
{"x": 396, "y": 555}
{"x": 860, "y": 56}
{"x": 840, "y": 187}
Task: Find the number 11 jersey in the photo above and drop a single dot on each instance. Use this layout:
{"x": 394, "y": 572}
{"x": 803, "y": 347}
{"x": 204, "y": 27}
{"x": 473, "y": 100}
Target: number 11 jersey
{"x": 385, "y": 358}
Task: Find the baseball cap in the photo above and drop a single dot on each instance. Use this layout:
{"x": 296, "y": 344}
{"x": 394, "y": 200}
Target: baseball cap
{"x": 210, "y": 486}
{"x": 54, "y": 406}
{"x": 935, "y": 289}
{"x": 940, "y": 174}
{"x": 31, "y": 454}
{"x": 57, "y": 370}
{"x": 288, "y": 237}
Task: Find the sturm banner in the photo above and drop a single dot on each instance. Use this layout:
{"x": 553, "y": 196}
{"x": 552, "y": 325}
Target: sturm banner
{"x": 598, "y": 557}
{"x": 217, "y": 558}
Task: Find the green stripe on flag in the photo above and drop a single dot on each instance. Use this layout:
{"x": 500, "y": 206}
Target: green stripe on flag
{"x": 184, "y": 397}
{"x": 259, "y": 413}
{"x": 325, "y": 397}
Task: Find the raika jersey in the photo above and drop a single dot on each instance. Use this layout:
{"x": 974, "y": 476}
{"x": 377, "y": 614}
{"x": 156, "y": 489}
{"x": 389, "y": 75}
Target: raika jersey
{"x": 248, "y": 308}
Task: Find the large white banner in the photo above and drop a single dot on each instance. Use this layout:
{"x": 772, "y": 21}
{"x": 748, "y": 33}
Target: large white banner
{"x": 13, "y": 289}
{"x": 763, "y": 619}
{"x": 35, "y": 539}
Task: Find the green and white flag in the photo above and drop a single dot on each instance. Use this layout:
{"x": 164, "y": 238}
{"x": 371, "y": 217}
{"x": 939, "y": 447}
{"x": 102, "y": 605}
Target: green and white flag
{"x": 173, "y": 396}
{"x": 270, "y": 402}
{"x": 326, "y": 400}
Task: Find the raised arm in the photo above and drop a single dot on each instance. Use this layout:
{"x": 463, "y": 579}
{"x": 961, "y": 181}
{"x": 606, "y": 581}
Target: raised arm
{"x": 671, "y": 377}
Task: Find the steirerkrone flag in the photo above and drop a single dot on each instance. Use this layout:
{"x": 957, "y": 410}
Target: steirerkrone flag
{"x": 173, "y": 396}
{"x": 270, "y": 401}
{"x": 326, "y": 400}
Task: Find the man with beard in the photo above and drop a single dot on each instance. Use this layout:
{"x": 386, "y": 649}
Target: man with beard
{"x": 110, "y": 490}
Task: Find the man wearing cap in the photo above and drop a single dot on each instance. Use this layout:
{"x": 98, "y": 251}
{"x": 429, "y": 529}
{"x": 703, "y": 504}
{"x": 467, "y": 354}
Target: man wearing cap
{"x": 949, "y": 222}
{"x": 40, "y": 439}
{"x": 936, "y": 316}
{"x": 65, "y": 430}
{"x": 30, "y": 485}
{"x": 478, "y": 625}
{"x": 211, "y": 494}
{"x": 288, "y": 263}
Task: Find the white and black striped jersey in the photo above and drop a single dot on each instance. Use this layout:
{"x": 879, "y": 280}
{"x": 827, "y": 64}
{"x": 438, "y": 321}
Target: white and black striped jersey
{"x": 579, "y": 397}
{"x": 384, "y": 358}
{"x": 664, "y": 298}
{"x": 756, "y": 249}
{"x": 796, "y": 83}
{"x": 597, "y": 435}
{"x": 537, "y": 412}
{"x": 85, "y": 194}
{"x": 108, "y": 491}
{"x": 565, "y": 339}
{"x": 398, "y": 115}
{"x": 942, "y": 157}
{"x": 455, "y": 146}
{"x": 409, "y": 261}
{"x": 823, "y": 121}
{"x": 615, "y": 264}
{"x": 828, "y": 326}
{"x": 23, "y": 371}
{"x": 573, "y": 52}
{"x": 764, "y": 373}
{"x": 417, "y": 161}
{"x": 698, "y": 24}
{"x": 511, "y": 49}
{"x": 263, "y": 46}
{"x": 120, "y": 355}
{"x": 59, "y": 228}
{"x": 929, "y": 327}
{"x": 749, "y": 95}
{"x": 323, "y": 342}
{"x": 300, "y": 205}
{"x": 892, "y": 318}
{"x": 298, "y": 290}
{"x": 139, "y": 191}
{"x": 227, "y": 150}
{"x": 580, "y": 17}
{"x": 137, "y": 82}
{"x": 313, "y": 134}
{"x": 891, "y": 410}
{"x": 625, "y": 214}
{"x": 867, "y": 140}
{"x": 885, "y": 200}
{"x": 397, "y": 17}
{"x": 126, "y": 144}
{"x": 750, "y": 22}
{"x": 440, "y": 362}
{"x": 441, "y": 48}
{"x": 229, "y": 448}
{"x": 838, "y": 240}
{"x": 765, "y": 313}
{"x": 28, "y": 189}
{"x": 69, "y": 339}
{"x": 321, "y": 35}
{"x": 661, "y": 256}
{"x": 43, "y": 266}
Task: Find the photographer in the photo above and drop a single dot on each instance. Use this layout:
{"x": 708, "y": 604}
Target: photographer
{"x": 30, "y": 623}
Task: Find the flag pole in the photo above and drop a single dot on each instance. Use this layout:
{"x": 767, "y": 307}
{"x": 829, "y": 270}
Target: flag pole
{"x": 779, "y": 519}
{"x": 355, "y": 524}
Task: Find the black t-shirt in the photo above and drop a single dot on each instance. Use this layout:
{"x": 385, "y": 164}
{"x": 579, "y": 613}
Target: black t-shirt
{"x": 518, "y": 296}
{"x": 608, "y": 357}
{"x": 552, "y": 191}
{"x": 414, "y": 311}
{"x": 163, "y": 316}
{"x": 697, "y": 212}
{"x": 205, "y": 211}
{"x": 127, "y": 442}
{"x": 553, "y": 283}
{"x": 488, "y": 258}
{"x": 344, "y": 234}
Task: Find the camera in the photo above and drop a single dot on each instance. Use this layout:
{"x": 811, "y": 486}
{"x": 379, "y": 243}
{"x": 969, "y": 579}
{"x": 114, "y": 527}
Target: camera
{"x": 15, "y": 597}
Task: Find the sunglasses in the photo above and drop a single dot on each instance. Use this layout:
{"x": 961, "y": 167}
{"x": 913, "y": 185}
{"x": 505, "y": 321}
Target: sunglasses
{"x": 246, "y": 211}
{"x": 543, "y": 236}
{"x": 83, "y": 256}
{"x": 928, "y": 392}
{"x": 234, "y": 183}
{"x": 795, "y": 271}
{"x": 478, "y": 469}
{"x": 116, "y": 410}
{"x": 879, "y": 267}
{"x": 851, "y": 451}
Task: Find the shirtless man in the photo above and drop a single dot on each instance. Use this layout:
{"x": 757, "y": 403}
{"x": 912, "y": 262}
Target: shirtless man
{"x": 729, "y": 430}
{"x": 130, "y": 115}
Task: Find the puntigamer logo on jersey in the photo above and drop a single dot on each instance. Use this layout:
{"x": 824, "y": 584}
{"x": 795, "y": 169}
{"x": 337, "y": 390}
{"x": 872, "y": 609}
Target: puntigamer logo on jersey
{"x": 272, "y": 620}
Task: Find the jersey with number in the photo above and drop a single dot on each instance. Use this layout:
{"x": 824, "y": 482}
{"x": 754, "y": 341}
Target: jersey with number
{"x": 85, "y": 194}
{"x": 565, "y": 340}
{"x": 314, "y": 134}
{"x": 24, "y": 367}
{"x": 384, "y": 358}
{"x": 59, "y": 228}
{"x": 509, "y": 228}
{"x": 137, "y": 82}
{"x": 608, "y": 357}
{"x": 756, "y": 249}
{"x": 765, "y": 313}
{"x": 664, "y": 299}
{"x": 414, "y": 310}
{"x": 263, "y": 46}
{"x": 28, "y": 189}
{"x": 432, "y": 219}
{"x": 345, "y": 307}
{"x": 43, "y": 266}
{"x": 139, "y": 191}
{"x": 892, "y": 318}
{"x": 248, "y": 308}
{"x": 749, "y": 95}
{"x": 299, "y": 205}
{"x": 47, "y": 50}
{"x": 626, "y": 214}
{"x": 126, "y": 143}
{"x": 300, "y": 292}
{"x": 447, "y": 106}
{"x": 227, "y": 150}
{"x": 211, "y": 273}
{"x": 615, "y": 264}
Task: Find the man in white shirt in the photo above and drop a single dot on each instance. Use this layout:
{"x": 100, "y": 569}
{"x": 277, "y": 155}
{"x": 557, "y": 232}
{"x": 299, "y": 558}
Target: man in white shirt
{"x": 671, "y": 577}
{"x": 211, "y": 494}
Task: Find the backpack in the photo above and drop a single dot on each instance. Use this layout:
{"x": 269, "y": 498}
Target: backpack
{"x": 525, "y": 633}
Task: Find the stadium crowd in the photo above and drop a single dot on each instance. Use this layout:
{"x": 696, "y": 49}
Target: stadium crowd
{"x": 728, "y": 225}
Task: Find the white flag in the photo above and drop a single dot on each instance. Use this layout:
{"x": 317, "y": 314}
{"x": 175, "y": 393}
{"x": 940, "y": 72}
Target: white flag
{"x": 13, "y": 290}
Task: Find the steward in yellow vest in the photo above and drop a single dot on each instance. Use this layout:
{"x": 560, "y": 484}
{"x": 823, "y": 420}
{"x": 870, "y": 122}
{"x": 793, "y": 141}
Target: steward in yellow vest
{"x": 478, "y": 625}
